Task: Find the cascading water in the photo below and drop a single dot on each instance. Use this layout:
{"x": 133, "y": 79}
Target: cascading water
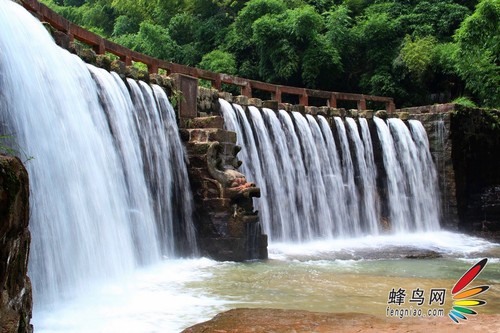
{"x": 352, "y": 195}
{"x": 441, "y": 134}
{"x": 314, "y": 189}
{"x": 366, "y": 176}
{"x": 108, "y": 178}
{"x": 411, "y": 177}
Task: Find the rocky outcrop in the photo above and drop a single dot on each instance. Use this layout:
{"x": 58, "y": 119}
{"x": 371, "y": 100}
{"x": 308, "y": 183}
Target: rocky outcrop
{"x": 15, "y": 286}
{"x": 476, "y": 145}
{"x": 298, "y": 321}
{"x": 228, "y": 228}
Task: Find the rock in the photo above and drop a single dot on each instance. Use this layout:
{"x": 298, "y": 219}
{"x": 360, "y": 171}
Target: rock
{"x": 257, "y": 102}
{"x": 403, "y": 115}
{"x": 299, "y": 108}
{"x": 368, "y": 114}
{"x": 15, "y": 286}
{"x": 226, "y": 96}
{"x": 299, "y": 321}
{"x": 105, "y": 62}
{"x": 352, "y": 113}
{"x": 271, "y": 104}
{"x": 312, "y": 110}
{"x": 207, "y": 100}
{"x": 382, "y": 114}
{"x": 207, "y": 122}
{"x": 323, "y": 111}
{"x": 241, "y": 100}
{"x": 285, "y": 106}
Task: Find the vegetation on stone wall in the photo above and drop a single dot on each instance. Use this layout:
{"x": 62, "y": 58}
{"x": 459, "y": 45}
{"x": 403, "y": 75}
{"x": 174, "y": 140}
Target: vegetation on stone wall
{"x": 417, "y": 51}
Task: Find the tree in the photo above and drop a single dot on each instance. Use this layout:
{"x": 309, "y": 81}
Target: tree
{"x": 478, "y": 52}
{"x": 219, "y": 61}
{"x": 417, "y": 55}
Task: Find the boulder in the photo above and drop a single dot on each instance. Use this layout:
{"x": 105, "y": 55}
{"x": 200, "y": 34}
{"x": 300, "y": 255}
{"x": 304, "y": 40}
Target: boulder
{"x": 15, "y": 286}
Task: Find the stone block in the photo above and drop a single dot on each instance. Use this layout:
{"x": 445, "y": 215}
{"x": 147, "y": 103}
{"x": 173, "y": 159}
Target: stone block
{"x": 241, "y": 100}
{"x": 270, "y": 104}
{"x": 353, "y": 113}
{"x": 403, "y": 115}
{"x": 155, "y": 78}
{"x": 104, "y": 61}
{"x": 368, "y": 114}
{"x": 382, "y": 114}
{"x": 257, "y": 102}
{"x": 222, "y": 136}
{"x": 198, "y": 135}
{"x": 324, "y": 111}
{"x": 143, "y": 75}
{"x": 197, "y": 148}
{"x": 299, "y": 108}
{"x": 61, "y": 39}
{"x": 335, "y": 113}
{"x": 88, "y": 55}
{"x": 285, "y": 106}
{"x": 226, "y": 96}
{"x": 207, "y": 122}
{"x": 312, "y": 110}
{"x": 132, "y": 72}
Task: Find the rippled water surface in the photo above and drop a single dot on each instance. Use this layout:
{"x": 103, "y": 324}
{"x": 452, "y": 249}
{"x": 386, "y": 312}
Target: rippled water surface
{"x": 333, "y": 276}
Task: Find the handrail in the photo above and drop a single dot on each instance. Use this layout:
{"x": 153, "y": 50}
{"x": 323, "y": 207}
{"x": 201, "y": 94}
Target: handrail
{"x": 101, "y": 45}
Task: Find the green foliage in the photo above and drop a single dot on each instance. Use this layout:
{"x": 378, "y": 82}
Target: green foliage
{"x": 219, "y": 61}
{"x": 125, "y": 25}
{"x": 9, "y": 146}
{"x": 478, "y": 53}
{"x": 182, "y": 28}
{"x": 151, "y": 39}
{"x": 465, "y": 101}
{"x": 405, "y": 49}
{"x": 417, "y": 55}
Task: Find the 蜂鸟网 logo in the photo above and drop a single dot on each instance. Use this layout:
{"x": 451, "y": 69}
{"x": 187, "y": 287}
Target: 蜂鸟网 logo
{"x": 420, "y": 303}
{"x": 464, "y": 300}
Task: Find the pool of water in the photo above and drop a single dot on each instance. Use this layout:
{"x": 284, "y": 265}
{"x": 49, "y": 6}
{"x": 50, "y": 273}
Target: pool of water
{"x": 354, "y": 275}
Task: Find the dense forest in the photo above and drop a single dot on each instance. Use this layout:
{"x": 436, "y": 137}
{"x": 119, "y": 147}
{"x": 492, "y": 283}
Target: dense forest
{"x": 417, "y": 51}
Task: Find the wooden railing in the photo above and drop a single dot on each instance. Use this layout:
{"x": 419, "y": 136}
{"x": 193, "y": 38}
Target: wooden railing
{"x": 101, "y": 46}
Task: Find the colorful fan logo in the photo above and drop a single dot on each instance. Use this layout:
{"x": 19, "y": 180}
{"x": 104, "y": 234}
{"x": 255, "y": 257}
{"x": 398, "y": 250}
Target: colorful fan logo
{"x": 463, "y": 300}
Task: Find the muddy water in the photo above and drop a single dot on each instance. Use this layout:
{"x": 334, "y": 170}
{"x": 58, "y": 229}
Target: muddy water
{"x": 355, "y": 275}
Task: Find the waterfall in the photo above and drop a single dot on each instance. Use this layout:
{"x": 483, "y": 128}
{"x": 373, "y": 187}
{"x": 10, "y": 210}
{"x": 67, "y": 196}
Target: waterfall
{"x": 351, "y": 192}
{"x": 321, "y": 181}
{"x": 372, "y": 204}
{"x": 368, "y": 204}
{"x": 411, "y": 178}
{"x": 440, "y": 135}
{"x": 108, "y": 178}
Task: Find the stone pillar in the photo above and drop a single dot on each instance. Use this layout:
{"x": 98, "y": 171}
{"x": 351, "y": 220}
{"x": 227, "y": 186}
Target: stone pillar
{"x": 362, "y": 104}
{"x": 247, "y": 90}
{"x": 15, "y": 286}
{"x": 390, "y": 107}
{"x": 333, "y": 101}
{"x": 188, "y": 87}
{"x": 304, "y": 100}
{"x": 277, "y": 95}
{"x": 228, "y": 228}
